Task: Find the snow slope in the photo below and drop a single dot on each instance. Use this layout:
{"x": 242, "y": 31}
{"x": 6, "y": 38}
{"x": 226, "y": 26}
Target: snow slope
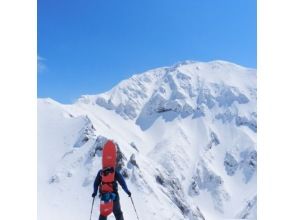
{"x": 187, "y": 141}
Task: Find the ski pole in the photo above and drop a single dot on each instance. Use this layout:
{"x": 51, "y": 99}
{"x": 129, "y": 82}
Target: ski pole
{"x": 92, "y": 207}
{"x": 134, "y": 207}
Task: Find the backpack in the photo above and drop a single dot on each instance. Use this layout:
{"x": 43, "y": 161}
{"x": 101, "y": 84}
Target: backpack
{"x": 107, "y": 183}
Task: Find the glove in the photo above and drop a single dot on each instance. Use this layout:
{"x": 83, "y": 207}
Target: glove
{"x": 129, "y": 193}
{"x": 94, "y": 194}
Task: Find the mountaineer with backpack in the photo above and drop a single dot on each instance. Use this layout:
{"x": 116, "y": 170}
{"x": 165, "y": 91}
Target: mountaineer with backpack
{"x": 106, "y": 181}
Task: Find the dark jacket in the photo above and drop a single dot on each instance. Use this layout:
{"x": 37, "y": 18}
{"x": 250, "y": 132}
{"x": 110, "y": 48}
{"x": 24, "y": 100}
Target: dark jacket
{"x": 117, "y": 178}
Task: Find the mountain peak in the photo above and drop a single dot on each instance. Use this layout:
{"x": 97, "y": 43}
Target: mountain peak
{"x": 187, "y": 88}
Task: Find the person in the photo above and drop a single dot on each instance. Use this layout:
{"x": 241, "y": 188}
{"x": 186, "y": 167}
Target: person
{"x": 116, "y": 204}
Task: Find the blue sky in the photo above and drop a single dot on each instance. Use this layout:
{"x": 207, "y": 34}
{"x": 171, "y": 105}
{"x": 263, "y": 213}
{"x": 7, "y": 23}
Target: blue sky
{"x": 88, "y": 46}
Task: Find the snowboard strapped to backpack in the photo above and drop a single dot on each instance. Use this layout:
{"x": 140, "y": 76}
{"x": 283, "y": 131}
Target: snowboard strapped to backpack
{"x": 108, "y": 175}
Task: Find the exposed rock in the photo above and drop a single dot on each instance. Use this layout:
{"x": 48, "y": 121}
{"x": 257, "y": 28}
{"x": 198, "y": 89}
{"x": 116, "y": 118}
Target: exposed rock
{"x": 231, "y": 164}
{"x": 213, "y": 140}
{"x": 86, "y": 134}
{"x": 248, "y": 164}
{"x": 206, "y": 179}
{"x": 132, "y": 161}
{"x": 228, "y": 95}
{"x": 54, "y": 179}
{"x": 249, "y": 211}
{"x": 243, "y": 121}
{"x": 159, "y": 179}
{"x": 120, "y": 158}
{"x": 133, "y": 145}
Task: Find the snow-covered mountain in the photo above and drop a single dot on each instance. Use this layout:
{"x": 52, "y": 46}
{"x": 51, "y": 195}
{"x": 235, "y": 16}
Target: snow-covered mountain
{"x": 186, "y": 137}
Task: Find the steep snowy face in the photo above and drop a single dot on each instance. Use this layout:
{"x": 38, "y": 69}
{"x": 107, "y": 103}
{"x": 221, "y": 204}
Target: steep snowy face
{"x": 129, "y": 96}
{"x": 188, "y": 88}
{"x": 187, "y": 144}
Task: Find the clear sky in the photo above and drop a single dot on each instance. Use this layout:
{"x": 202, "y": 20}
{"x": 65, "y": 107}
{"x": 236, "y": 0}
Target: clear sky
{"x": 88, "y": 46}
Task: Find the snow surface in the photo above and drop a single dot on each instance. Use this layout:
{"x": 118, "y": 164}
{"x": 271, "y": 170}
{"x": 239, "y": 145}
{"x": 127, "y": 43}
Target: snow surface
{"x": 187, "y": 141}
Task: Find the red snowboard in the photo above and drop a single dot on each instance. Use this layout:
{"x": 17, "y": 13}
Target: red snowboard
{"x": 108, "y": 172}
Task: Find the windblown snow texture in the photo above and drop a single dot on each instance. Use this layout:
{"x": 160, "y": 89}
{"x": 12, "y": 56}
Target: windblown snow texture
{"x": 186, "y": 137}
